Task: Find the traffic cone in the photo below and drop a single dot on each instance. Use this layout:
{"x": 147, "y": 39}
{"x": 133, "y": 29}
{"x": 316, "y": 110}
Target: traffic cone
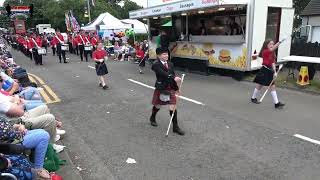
{"x": 303, "y": 78}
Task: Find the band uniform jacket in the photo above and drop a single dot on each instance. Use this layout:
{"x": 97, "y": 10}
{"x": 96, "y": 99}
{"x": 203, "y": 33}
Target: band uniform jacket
{"x": 165, "y": 77}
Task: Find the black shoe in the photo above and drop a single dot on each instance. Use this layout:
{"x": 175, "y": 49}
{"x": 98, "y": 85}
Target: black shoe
{"x": 66, "y": 62}
{"x": 153, "y": 121}
{"x": 141, "y": 72}
{"x": 178, "y": 131}
{"x": 60, "y": 62}
{"x": 279, "y": 105}
{"x": 105, "y": 87}
{"x": 255, "y": 101}
{"x": 100, "y": 85}
{"x": 41, "y": 64}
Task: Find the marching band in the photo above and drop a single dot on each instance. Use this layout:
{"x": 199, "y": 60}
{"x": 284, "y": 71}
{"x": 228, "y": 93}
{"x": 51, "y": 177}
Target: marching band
{"x": 34, "y": 46}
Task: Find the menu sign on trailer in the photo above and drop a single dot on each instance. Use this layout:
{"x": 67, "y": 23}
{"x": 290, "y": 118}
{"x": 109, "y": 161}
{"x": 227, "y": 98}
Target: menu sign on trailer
{"x": 180, "y": 6}
{"x": 19, "y": 26}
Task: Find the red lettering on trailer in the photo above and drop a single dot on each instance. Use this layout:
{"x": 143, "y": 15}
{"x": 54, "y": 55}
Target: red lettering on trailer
{"x": 210, "y": 1}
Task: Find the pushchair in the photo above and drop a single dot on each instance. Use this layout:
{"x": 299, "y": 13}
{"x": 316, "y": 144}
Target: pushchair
{"x": 11, "y": 149}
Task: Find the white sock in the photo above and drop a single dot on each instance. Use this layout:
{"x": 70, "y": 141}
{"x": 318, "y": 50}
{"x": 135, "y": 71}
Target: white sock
{"x": 274, "y": 97}
{"x": 255, "y": 93}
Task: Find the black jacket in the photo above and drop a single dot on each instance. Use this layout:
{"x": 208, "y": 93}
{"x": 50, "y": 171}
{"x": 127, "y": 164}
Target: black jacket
{"x": 165, "y": 77}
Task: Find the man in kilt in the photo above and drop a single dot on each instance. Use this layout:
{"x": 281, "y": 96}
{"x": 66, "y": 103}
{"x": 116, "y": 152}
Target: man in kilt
{"x": 267, "y": 73}
{"x": 166, "y": 88}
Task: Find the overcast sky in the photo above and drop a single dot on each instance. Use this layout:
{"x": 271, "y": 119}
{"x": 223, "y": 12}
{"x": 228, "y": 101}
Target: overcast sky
{"x": 140, "y": 2}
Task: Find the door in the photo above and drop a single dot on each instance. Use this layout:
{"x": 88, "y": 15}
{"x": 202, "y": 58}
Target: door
{"x": 285, "y": 32}
{"x": 315, "y": 37}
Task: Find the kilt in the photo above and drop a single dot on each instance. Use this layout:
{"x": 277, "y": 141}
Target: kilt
{"x": 101, "y": 69}
{"x": 264, "y": 76}
{"x": 156, "y": 98}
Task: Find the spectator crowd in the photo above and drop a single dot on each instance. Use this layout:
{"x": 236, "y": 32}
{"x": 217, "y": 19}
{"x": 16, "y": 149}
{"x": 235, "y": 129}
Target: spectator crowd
{"x": 28, "y": 130}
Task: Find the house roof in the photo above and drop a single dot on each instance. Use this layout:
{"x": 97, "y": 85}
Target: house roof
{"x": 313, "y": 8}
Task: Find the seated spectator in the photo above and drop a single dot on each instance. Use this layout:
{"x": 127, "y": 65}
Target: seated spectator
{"x": 8, "y": 84}
{"x": 30, "y": 92}
{"x": 31, "y": 139}
{"x": 117, "y": 50}
{"x": 37, "y": 118}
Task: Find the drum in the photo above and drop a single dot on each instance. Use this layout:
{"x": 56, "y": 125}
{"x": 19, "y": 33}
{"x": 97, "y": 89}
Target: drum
{"x": 42, "y": 51}
{"x": 87, "y": 47}
{"x": 65, "y": 47}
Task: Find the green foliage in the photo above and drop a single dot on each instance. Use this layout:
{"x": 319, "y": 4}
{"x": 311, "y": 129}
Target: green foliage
{"x": 299, "y": 6}
{"x": 53, "y": 11}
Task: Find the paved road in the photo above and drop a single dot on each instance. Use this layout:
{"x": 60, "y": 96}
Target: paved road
{"x": 227, "y": 138}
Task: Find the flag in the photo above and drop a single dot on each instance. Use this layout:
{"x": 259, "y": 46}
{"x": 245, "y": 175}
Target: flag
{"x": 93, "y": 2}
{"x": 74, "y": 23}
{"x": 67, "y": 20}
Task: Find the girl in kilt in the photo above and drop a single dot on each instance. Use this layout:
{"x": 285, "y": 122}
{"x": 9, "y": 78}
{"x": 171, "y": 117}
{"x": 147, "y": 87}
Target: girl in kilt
{"x": 165, "y": 88}
{"x": 267, "y": 73}
{"x": 101, "y": 68}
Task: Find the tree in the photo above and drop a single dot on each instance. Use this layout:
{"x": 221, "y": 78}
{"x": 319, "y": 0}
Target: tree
{"x": 127, "y": 7}
{"x": 299, "y": 6}
{"x": 53, "y": 11}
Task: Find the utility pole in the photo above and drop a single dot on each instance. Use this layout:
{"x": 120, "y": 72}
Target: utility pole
{"x": 89, "y": 13}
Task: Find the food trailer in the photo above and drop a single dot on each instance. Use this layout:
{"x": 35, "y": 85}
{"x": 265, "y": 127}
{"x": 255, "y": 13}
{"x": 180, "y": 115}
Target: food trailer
{"x": 225, "y": 34}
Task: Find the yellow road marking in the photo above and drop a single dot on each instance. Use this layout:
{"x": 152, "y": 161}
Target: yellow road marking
{"x": 43, "y": 93}
{"x": 49, "y": 90}
{"x": 36, "y": 77}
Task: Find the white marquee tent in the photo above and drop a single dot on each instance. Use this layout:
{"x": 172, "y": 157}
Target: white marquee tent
{"x": 138, "y": 26}
{"x": 107, "y": 21}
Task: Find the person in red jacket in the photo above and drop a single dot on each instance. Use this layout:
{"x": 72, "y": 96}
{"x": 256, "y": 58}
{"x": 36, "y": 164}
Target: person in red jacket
{"x": 75, "y": 44}
{"x": 101, "y": 68}
{"x": 33, "y": 47}
{"x": 81, "y": 43}
{"x": 140, "y": 56}
{"x": 28, "y": 45}
{"x": 70, "y": 42}
{"x": 87, "y": 41}
{"x": 59, "y": 41}
{"x": 38, "y": 57}
{"x": 94, "y": 41}
{"x": 53, "y": 46}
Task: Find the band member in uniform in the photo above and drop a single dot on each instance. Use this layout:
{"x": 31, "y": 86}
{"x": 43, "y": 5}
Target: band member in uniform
{"x": 45, "y": 41}
{"x": 94, "y": 41}
{"x": 39, "y": 44}
{"x": 53, "y": 46}
{"x": 166, "y": 88}
{"x": 70, "y": 43}
{"x": 36, "y": 44}
{"x": 81, "y": 44}
{"x": 28, "y": 48}
{"x": 59, "y": 41}
{"x": 101, "y": 68}
{"x": 87, "y": 43}
{"x": 267, "y": 73}
{"x": 75, "y": 44}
